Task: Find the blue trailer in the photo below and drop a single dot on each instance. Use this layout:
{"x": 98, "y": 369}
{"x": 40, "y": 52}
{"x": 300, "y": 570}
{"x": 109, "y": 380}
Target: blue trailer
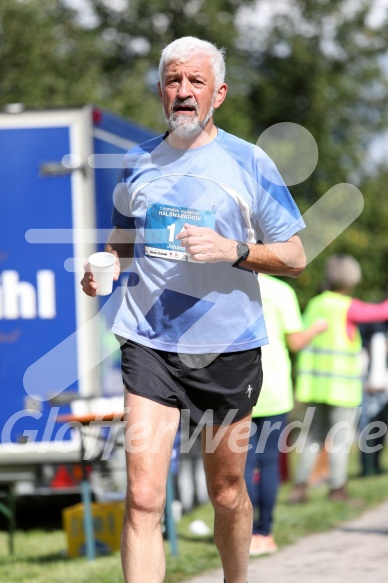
{"x": 58, "y": 171}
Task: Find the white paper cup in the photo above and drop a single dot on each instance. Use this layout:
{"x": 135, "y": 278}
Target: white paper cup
{"x": 102, "y": 267}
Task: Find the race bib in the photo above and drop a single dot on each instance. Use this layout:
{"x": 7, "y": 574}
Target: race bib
{"x": 164, "y": 222}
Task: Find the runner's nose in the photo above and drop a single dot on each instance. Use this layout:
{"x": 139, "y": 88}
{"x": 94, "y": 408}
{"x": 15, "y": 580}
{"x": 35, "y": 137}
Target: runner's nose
{"x": 184, "y": 89}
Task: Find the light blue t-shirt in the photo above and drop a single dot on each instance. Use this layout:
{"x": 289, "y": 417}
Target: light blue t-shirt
{"x": 175, "y": 304}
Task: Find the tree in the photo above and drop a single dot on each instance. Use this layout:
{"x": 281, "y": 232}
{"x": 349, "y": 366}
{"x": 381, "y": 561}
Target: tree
{"x": 49, "y": 57}
{"x": 320, "y": 65}
{"x": 45, "y": 58}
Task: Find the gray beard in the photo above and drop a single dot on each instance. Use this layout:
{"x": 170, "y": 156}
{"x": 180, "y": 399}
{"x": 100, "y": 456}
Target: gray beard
{"x": 187, "y": 125}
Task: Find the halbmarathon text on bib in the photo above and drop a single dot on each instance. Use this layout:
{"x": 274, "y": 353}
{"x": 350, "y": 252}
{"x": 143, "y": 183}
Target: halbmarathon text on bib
{"x": 164, "y": 222}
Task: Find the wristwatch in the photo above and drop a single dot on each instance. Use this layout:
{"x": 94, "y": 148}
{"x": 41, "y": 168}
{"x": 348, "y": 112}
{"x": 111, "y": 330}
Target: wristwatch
{"x": 242, "y": 251}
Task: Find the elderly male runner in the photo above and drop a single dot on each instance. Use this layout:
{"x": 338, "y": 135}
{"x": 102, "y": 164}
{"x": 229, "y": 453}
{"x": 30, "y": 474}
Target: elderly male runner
{"x": 197, "y": 212}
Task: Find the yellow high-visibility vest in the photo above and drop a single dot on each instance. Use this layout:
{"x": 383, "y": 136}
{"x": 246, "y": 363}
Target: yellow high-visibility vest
{"x": 329, "y": 369}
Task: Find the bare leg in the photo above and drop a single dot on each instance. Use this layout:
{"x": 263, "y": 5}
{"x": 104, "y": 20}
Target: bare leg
{"x": 149, "y": 437}
{"x": 226, "y": 485}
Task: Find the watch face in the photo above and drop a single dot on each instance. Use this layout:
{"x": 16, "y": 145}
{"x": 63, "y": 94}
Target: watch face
{"x": 242, "y": 250}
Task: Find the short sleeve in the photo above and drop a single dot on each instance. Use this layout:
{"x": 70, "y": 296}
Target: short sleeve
{"x": 121, "y": 214}
{"x": 276, "y": 212}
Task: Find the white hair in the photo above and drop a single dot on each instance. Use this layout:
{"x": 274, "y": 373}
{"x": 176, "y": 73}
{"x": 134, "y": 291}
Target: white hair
{"x": 342, "y": 271}
{"x": 183, "y": 48}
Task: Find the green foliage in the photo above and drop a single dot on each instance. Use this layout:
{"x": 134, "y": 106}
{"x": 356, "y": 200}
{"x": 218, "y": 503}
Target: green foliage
{"x": 323, "y": 66}
{"x": 45, "y": 59}
{"x": 49, "y": 59}
{"x": 368, "y": 238}
{"x": 321, "y": 70}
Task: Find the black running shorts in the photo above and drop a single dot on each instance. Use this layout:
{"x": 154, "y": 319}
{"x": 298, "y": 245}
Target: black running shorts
{"x": 230, "y": 383}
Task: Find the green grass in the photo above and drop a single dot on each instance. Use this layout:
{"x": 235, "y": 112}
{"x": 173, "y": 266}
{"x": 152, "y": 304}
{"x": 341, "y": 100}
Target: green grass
{"x": 40, "y": 557}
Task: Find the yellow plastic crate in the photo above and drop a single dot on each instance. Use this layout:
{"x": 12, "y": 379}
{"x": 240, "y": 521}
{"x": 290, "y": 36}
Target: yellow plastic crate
{"x": 107, "y": 521}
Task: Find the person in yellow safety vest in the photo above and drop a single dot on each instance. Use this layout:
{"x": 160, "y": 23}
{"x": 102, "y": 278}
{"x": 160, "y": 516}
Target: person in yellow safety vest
{"x": 329, "y": 374}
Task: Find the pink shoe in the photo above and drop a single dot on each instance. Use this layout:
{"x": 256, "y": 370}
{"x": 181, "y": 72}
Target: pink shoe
{"x": 262, "y": 545}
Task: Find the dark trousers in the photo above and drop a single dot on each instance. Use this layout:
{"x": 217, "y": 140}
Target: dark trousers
{"x": 370, "y": 460}
{"x": 264, "y": 456}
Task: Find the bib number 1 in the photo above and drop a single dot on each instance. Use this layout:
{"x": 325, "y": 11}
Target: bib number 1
{"x": 164, "y": 222}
